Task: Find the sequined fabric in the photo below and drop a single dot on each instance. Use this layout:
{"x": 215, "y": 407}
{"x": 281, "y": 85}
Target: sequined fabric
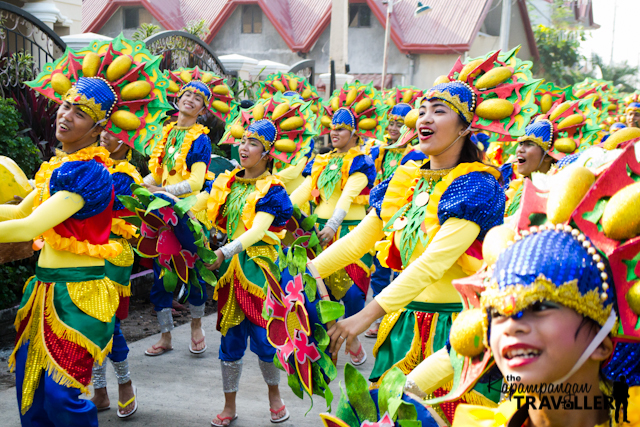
{"x": 121, "y": 369}
{"x": 377, "y": 194}
{"x": 231, "y": 372}
{"x": 165, "y": 320}
{"x": 122, "y": 187}
{"x": 540, "y": 133}
{"x": 200, "y": 151}
{"x": 476, "y": 197}
{"x": 126, "y": 257}
{"x": 270, "y": 373}
{"x": 100, "y": 375}
{"x": 97, "y": 298}
{"x": 89, "y": 179}
{"x": 277, "y": 203}
{"x": 197, "y": 311}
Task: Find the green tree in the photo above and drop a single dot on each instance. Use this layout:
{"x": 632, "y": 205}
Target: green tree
{"x": 558, "y": 54}
{"x": 197, "y": 28}
{"x": 13, "y": 143}
{"x": 620, "y": 74}
{"x": 145, "y": 31}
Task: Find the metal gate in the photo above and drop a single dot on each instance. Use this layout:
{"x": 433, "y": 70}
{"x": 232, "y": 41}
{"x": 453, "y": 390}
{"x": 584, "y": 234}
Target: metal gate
{"x": 305, "y": 68}
{"x": 23, "y": 36}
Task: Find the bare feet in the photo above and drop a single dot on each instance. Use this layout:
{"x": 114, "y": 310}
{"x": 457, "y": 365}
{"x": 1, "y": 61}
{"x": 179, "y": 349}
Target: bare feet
{"x": 276, "y": 403}
{"x": 197, "y": 338}
{"x": 125, "y": 393}
{"x": 161, "y": 346}
{"x": 101, "y": 398}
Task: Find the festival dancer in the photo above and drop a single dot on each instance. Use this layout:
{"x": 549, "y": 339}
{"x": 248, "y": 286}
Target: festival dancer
{"x": 339, "y": 182}
{"x": 399, "y": 146}
{"x": 118, "y": 270}
{"x": 454, "y": 197}
{"x": 179, "y": 165}
{"x": 252, "y": 207}
{"x": 579, "y": 276}
{"x": 632, "y": 113}
{"x": 66, "y": 317}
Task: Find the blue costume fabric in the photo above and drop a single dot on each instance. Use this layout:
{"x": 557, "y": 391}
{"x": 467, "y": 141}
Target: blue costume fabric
{"x": 567, "y": 160}
{"x": 200, "y": 151}
{"x": 377, "y": 195}
{"x": 122, "y": 187}
{"x": 119, "y": 349}
{"x": 476, "y": 197}
{"x": 161, "y": 298}
{"x": 234, "y": 344}
{"x": 89, "y": 179}
{"x": 506, "y": 170}
{"x": 277, "y": 203}
{"x": 54, "y": 405}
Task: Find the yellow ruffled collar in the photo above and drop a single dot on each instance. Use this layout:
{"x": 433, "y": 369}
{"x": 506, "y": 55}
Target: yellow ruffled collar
{"x": 123, "y": 166}
{"x": 180, "y": 166}
{"x": 322, "y": 160}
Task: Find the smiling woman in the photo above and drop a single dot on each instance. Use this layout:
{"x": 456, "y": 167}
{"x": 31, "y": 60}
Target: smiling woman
{"x": 430, "y": 220}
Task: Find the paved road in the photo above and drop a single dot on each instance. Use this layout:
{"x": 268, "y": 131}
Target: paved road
{"x": 181, "y": 389}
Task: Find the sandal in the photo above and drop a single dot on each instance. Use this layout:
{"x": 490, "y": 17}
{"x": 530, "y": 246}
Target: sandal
{"x": 196, "y": 343}
{"x": 222, "y": 420}
{"x": 372, "y": 333}
{"x": 283, "y": 418}
{"x": 360, "y": 352}
{"x": 156, "y": 347}
{"x": 134, "y": 399}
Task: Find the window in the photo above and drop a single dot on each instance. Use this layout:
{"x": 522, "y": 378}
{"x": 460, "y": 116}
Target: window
{"x": 131, "y": 17}
{"x": 251, "y": 19}
{"x": 359, "y": 15}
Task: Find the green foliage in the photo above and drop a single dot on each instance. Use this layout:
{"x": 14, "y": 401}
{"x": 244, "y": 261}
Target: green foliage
{"x": 145, "y": 31}
{"x": 13, "y": 143}
{"x": 620, "y": 74}
{"x": 197, "y": 28}
{"x": 558, "y": 50}
{"x": 14, "y": 275}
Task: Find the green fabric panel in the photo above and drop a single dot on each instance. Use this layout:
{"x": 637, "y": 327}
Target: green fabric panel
{"x": 98, "y": 332}
{"x": 251, "y": 270}
{"x": 78, "y": 274}
{"x": 492, "y": 393}
{"x": 429, "y": 307}
{"x": 395, "y": 347}
{"x": 27, "y": 292}
{"x": 120, "y": 275}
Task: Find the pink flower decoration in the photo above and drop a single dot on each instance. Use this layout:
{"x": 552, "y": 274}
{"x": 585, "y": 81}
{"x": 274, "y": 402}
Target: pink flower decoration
{"x": 169, "y": 216}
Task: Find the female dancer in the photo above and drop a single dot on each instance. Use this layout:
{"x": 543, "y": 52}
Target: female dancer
{"x": 433, "y": 217}
{"x": 118, "y": 270}
{"x": 339, "y": 182}
{"x": 179, "y": 165}
{"x": 66, "y": 317}
{"x": 249, "y": 205}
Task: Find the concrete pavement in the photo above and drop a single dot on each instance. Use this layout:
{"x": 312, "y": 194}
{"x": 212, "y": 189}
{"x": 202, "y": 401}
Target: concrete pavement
{"x": 182, "y": 389}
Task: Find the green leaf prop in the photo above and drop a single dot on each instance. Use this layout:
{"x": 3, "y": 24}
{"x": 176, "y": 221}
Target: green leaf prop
{"x": 297, "y": 214}
{"x": 130, "y": 203}
{"x": 282, "y": 258}
{"x": 206, "y": 274}
{"x": 273, "y": 236}
{"x": 309, "y": 286}
{"x": 197, "y": 227}
{"x": 170, "y": 280}
{"x": 344, "y": 411}
{"x": 207, "y": 255}
{"x": 300, "y": 258}
{"x": 328, "y": 367}
{"x": 314, "y": 241}
{"x": 410, "y": 423}
{"x": 391, "y": 388}
{"x": 184, "y": 205}
{"x": 358, "y": 392}
{"x": 329, "y": 310}
{"x": 322, "y": 337}
{"x": 309, "y": 222}
{"x": 275, "y": 270}
{"x": 406, "y": 411}
{"x": 295, "y": 385}
{"x": 300, "y": 240}
{"x": 157, "y": 203}
{"x": 142, "y": 193}
{"x": 134, "y": 220}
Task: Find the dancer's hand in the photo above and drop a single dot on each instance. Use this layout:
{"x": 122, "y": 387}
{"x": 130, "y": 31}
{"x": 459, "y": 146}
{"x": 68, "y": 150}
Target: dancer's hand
{"x": 218, "y": 262}
{"x": 326, "y": 235}
{"x": 348, "y": 329}
{"x": 153, "y": 188}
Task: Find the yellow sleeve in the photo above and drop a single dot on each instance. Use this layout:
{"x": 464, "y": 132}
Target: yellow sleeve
{"x": 196, "y": 180}
{"x": 351, "y": 247}
{"x": 354, "y": 186}
{"x": 261, "y": 224}
{"x": 450, "y": 242}
{"x": 18, "y": 211}
{"x": 52, "y": 212}
{"x": 433, "y": 372}
{"x": 201, "y": 202}
{"x": 302, "y": 194}
{"x": 292, "y": 172}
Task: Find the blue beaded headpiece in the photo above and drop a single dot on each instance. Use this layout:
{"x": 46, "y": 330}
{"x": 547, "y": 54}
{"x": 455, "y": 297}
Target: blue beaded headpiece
{"x": 264, "y": 131}
{"x": 540, "y": 133}
{"x": 294, "y": 94}
{"x": 456, "y": 95}
{"x": 558, "y": 264}
{"x": 399, "y": 111}
{"x": 196, "y": 86}
{"x": 343, "y": 119}
{"x": 616, "y": 126}
{"x": 94, "y": 96}
{"x": 634, "y": 106}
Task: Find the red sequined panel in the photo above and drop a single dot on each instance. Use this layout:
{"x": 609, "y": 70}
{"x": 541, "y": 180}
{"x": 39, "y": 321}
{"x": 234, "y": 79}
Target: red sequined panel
{"x": 448, "y": 408}
{"x": 75, "y": 360}
{"x": 251, "y": 305}
{"x": 123, "y": 308}
{"x": 359, "y": 277}
{"x": 424, "y": 321}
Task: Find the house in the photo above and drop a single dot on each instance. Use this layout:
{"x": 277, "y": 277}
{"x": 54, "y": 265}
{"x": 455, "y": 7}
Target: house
{"x": 287, "y": 31}
{"x": 62, "y": 16}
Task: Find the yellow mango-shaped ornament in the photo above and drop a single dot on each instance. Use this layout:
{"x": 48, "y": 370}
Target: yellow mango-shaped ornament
{"x": 91, "y": 64}
{"x": 135, "y": 90}
{"x": 119, "y": 67}
{"x": 567, "y": 192}
{"x": 620, "y": 219}
{"x": 494, "y": 109}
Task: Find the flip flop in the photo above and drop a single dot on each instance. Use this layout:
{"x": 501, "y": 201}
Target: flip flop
{"x": 282, "y": 419}
{"x": 371, "y": 333}
{"x": 104, "y": 408}
{"x": 134, "y": 399}
{"x": 196, "y": 343}
{"x": 223, "y": 419}
{"x": 360, "y": 350}
{"x": 156, "y": 347}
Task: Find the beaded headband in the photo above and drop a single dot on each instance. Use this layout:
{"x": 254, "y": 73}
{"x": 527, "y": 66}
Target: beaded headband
{"x": 198, "y": 87}
{"x": 264, "y": 131}
{"x": 456, "y": 95}
{"x": 94, "y": 96}
{"x": 399, "y": 112}
{"x": 540, "y": 133}
{"x": 634, "y": 106}
{"x": 528, "y": 271}
{"x": 343, "y": 119}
